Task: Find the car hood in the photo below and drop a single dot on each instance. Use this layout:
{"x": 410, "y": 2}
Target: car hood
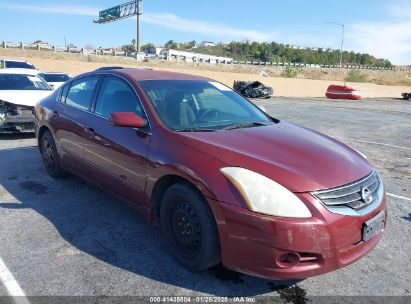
{"x": 24, "y": 98}
{"x": 301, "y": 160}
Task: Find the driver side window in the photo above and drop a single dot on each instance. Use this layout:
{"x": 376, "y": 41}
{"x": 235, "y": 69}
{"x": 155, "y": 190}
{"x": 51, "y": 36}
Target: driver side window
{"x": 117, "y": 96}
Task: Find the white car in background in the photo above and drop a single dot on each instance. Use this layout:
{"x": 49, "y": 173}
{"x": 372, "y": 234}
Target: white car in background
{"x": 55, "y": 79}
{"x": 20, "y": 90}
{"x": 16, "y": 64}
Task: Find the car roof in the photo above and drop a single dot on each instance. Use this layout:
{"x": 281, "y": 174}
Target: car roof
{"x": 19, "y": 61}
{"x": 14, "y": 60}
{"x": 19, "y": 71}
{"x": 148, "y": 74}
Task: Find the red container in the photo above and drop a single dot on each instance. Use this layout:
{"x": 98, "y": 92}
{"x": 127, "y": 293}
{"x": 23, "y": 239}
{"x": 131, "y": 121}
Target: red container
{"x": 342, "y": 92}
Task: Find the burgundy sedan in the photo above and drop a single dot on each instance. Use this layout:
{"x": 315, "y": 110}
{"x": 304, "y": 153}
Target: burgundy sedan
{"x": 225, "y": 181}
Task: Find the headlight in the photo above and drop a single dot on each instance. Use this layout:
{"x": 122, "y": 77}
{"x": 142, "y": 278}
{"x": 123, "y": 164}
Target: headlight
{"x": 7, "y": 108}
{"x": 264, "y": 195}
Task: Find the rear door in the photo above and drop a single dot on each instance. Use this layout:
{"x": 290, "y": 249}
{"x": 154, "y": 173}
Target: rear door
{"x": 70, "y": 120}
{"x": 116, "y": 156}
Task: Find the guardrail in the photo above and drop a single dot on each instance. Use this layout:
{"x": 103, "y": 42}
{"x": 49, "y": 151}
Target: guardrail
{"x": 112, "y": 52}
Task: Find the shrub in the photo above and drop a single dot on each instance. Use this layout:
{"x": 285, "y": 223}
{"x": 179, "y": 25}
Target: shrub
{"x": 355, "y": 76}
{"x": 289, "y": 72}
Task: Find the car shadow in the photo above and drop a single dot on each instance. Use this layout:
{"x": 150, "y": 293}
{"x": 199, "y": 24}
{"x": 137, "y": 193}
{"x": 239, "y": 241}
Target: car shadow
{"x": 407, "y": 218}
{"x": 97, "y": 224}
{"x": 16, "y": 136}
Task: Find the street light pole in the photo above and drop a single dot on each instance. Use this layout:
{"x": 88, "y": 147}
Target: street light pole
{"x": 138, "y": 35}
{"x": 139, "y": 8}
{"x": 342, "y": 40}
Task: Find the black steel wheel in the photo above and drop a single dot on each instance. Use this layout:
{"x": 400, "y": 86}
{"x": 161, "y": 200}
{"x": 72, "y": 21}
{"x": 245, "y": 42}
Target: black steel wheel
{"x": 189, "y": 228}
{"x": 185, "y": 226}
{"x": 50, "y": 155}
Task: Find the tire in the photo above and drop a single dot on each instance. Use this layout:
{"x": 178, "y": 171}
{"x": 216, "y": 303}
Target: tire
{"x": 188, "y": 228}
{"x": 51, "y": 159}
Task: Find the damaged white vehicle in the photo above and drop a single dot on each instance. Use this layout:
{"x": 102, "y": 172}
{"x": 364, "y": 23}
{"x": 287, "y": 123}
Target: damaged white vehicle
{"x": 20, "y": 90}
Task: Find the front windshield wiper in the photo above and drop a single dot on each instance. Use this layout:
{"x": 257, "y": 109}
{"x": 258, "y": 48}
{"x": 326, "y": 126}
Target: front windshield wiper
{"x": 246, "y": 125}
{"x": 195, "y": 130}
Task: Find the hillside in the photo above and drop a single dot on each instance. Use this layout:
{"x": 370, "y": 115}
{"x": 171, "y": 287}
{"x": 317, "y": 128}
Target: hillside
{"x": 314, "y": 86}
{"x": 276, "y": 52}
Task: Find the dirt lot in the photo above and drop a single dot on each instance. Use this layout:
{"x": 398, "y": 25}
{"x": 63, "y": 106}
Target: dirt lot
{"x": 77, "y": 64}
{"x": 63, "y": 237}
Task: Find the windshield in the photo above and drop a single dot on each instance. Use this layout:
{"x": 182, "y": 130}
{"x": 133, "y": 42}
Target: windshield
{"x": 55, "y": 77}
{"x": 19, "y": 65}
{"x": 22, "y": 82}
{"x": 197, "y": 105}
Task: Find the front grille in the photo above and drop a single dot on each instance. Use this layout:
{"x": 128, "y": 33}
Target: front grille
{"x": 356, "y": 196}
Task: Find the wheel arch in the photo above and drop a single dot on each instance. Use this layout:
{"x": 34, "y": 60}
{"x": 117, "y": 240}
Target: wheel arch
{"x": 160, "y": 188}
{"x": 41, "y": 131}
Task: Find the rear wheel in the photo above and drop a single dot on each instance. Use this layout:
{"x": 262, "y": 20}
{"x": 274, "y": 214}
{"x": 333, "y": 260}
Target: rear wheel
{"x": 50, "y": 155}
{"x": 189, "y": 228}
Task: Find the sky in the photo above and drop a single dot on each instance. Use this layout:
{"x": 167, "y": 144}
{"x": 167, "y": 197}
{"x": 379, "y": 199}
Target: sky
{"x": 379, "y": 27}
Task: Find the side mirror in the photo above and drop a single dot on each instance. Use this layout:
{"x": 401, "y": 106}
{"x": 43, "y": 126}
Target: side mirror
{"x": 127, "y": 119}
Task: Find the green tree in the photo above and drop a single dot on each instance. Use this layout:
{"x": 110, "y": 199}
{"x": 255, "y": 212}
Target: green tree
{"x": 129, "y": 48}
{"x": 276, "y": 52}
{"x": 171, "y": 45}
{"x": 147, "y": 46}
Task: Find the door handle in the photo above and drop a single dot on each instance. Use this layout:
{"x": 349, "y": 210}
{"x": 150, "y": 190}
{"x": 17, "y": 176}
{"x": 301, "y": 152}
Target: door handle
{"x": 90, "y": 132}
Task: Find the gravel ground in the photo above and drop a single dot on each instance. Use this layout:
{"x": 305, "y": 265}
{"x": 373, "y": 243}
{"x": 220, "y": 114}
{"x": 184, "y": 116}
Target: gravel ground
{"x": 65, "y": 238}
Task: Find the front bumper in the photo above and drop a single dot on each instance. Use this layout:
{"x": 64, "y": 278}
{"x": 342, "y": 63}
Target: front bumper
{"x": 20, "y": 122}
{"x": 251, "y": 243}
{"x": 16, "y": 124}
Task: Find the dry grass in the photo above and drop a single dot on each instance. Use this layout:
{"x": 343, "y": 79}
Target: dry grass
{"x": 308, "y": 82}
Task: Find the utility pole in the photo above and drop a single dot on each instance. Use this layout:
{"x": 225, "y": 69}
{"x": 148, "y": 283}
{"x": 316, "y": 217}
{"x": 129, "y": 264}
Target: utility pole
{"x": 139, "y": 7}
{"x": 342, "y": 40}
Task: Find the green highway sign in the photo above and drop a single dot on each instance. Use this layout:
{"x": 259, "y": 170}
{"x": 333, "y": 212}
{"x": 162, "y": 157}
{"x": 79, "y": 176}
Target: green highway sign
{"x": 113, "y": 12}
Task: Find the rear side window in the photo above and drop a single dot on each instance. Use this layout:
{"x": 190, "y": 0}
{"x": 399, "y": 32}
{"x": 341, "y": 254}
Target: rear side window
{"x": 117, "y": 96}
{"x": 63, "y": 93}
{"x": 80, "y": 94}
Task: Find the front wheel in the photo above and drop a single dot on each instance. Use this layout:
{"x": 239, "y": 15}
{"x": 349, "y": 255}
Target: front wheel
{"x": 50, "y": 155}
{"x": 189, "y": 228}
